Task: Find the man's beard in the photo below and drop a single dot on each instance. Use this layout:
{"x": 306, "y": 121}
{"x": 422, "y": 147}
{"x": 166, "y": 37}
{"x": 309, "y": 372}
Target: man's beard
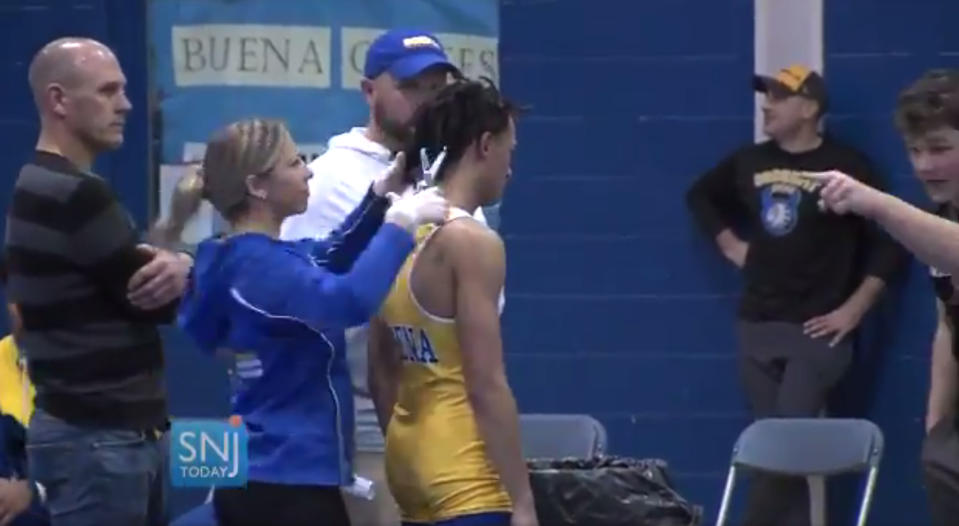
{"x": 398, "y": 132}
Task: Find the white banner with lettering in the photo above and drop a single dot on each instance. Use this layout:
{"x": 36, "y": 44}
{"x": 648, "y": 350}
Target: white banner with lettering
{"x": 296, "y": 60}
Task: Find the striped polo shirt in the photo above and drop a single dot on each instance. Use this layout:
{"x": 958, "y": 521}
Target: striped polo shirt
{"x": 70, "y": 250}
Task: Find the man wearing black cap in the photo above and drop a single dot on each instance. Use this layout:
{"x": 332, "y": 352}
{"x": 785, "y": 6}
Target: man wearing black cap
{"x": 809, "y": 275}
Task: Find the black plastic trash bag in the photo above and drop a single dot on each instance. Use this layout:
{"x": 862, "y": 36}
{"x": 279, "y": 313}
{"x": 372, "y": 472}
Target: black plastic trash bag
{"x": 607, "y": 491}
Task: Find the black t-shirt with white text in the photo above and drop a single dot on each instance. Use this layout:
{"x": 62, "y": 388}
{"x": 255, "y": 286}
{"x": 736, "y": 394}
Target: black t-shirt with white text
{"x": 802, "y": 261}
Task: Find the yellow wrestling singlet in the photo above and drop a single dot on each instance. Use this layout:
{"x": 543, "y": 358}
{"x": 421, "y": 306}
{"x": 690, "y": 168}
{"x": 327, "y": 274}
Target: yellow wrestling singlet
{"x": 436, "y": 462}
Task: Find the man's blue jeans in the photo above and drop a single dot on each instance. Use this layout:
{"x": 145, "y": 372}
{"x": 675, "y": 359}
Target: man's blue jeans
{"x": 102, "y": 477}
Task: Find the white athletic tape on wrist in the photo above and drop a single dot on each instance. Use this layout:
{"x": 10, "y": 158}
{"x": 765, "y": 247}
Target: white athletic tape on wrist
{"x": 362, "y": 488}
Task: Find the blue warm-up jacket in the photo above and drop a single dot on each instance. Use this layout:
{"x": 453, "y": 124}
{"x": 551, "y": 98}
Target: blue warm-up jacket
{"x": 281, "y": 307}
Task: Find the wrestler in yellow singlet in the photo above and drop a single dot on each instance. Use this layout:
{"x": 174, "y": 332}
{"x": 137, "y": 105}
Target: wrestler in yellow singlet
{"x": 437, "y": 377}
{"x": 435, "y": 459}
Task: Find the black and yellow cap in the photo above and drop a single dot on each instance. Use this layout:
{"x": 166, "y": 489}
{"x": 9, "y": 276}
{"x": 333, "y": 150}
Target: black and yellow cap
{"x": 796, "y": 79}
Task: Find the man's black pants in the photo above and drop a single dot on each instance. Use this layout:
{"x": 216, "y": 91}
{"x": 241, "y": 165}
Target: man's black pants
{"x": 786, "y": 374}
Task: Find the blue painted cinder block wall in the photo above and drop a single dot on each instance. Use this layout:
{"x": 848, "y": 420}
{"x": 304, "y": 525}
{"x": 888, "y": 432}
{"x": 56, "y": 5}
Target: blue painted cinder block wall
{"x": 616, "y": 305}
{"x": 873, "y": 50}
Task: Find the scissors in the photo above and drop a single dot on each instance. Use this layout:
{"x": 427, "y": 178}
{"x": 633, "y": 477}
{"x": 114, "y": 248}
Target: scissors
{"x": 430, "y": 169}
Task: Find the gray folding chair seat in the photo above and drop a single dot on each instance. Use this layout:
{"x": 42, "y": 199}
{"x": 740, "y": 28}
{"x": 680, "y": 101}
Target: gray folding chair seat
{"x": 807, "y": 447}
{"x": 561, "y": 436}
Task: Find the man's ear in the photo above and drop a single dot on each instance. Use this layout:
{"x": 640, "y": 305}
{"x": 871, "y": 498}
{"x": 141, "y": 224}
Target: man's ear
{"x": 810, "y": 109}
{"x": 366, "y": 86}
{"x": 56, "y": 97}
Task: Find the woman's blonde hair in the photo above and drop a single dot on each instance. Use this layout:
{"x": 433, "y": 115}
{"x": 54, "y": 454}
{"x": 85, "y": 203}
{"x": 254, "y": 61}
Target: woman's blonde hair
{"x": 235, "y": 152}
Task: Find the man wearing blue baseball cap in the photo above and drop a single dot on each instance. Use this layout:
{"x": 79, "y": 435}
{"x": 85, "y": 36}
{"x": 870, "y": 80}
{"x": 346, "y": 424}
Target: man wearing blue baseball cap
{"x": 405, "y": 54}
{"x": 404, "y": 68}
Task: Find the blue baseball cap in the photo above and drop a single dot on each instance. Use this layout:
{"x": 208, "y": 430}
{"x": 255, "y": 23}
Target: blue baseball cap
{"x": 404, "y": 53}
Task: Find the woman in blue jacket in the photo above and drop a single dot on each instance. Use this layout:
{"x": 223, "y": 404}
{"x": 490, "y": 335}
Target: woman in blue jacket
{"x": 281, "y": 308}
